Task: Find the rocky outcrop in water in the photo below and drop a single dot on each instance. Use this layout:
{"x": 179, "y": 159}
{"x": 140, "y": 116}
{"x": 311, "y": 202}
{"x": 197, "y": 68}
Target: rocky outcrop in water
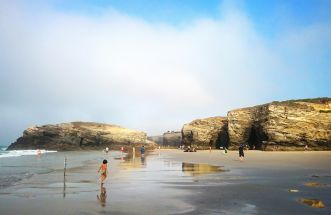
{"x": 79, "y": 135}
{"x": 288, "y": 125}
{"x": 206, "y": 132}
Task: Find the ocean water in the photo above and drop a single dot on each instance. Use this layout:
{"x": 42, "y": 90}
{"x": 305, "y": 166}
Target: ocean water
{"x": 18, "y": 153}
{"x": 17, "y": 165}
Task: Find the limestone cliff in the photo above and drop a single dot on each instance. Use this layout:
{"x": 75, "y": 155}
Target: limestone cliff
{"x": 173, "y": 138}
{"x": 157, "y": 139}
{"x": 206, "y": 132}
{"x": 288, "y": 125}
{"x": 79, "y": 135}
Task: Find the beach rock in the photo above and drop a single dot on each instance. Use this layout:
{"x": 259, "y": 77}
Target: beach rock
{"x": 158, "y": 139}
{"x": 169, "y": 138}
{"x": 288, "y": 125}
{"x": 79, "y": 135}
{"x": 173, "y": 138}
{"x": 206, "y": 132}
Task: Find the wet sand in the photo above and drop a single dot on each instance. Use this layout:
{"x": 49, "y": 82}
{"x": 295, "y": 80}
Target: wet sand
{"x": 175, "y": 182}
{"x": 261, "y": 183}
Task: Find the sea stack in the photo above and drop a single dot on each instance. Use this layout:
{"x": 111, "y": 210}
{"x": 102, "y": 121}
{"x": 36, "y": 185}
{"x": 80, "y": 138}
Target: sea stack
{"x": 79, "y": 135}
{"x": 288, "y": 125}
{"x": 205, "y": 133}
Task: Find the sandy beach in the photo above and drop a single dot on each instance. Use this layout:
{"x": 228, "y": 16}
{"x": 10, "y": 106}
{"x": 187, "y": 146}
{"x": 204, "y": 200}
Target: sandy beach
{"x": 170, "y": 181}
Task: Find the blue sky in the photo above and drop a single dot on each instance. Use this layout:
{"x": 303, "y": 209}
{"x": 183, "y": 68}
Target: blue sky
{"x": 155, "y": 65}
{"x": 265, "y": 14}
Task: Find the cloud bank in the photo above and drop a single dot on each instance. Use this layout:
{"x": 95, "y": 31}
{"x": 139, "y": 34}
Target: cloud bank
{"x": 60, "y": 66}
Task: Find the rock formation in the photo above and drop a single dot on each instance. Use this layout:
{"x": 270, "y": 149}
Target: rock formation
{"x": 206, "y": 132}
{"x": 157, "y": 139}
{"x": 173, "y": 138}
{"x": 79, "y": 135}
{"x": 288, "y": 125}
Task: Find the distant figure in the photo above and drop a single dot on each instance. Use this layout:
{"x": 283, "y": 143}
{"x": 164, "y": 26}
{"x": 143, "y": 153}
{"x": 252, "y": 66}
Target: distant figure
{"x": 241, "y": 152}
{"x": 142, "y": 159}
{"x": 103, "y": 171}
{"x": 38, "y": 152}
{"x": 122, "y": 149}
{"x": 107, "y": 150}
{"x": 133, "y": 151}
{"x": 142, "y": 151}
{"x": 306, "y": 147}
{"x": 209, "y": 148}
{"x": 102, "y": 196}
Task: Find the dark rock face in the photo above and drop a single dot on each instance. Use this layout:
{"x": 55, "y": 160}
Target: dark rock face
{"x": 288, "y": 125}
{"x": 157, "y": 139}
{"x": 79, "y": 135}
{"x": 173, "y": 138}
{"x": 205, "y": 133}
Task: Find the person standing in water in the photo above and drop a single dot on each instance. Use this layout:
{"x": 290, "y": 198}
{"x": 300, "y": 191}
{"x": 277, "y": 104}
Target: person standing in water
{"x": 241, "y": 152}
{"x": 103, "y": 171}
{"x": 142, "y": 151}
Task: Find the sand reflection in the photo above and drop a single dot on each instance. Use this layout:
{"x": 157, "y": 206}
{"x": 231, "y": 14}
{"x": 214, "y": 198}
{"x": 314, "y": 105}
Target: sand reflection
{"x": 199, "y": 169}
{"x": 102, "y": 197}
{"x": 134, "y": 163}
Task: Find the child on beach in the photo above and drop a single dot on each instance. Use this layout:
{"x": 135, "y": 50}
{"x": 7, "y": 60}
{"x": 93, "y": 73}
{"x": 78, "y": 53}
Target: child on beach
{"x": 103, "y": 170}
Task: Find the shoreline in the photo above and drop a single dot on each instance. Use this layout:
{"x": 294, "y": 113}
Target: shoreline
{"x": 170, "y": 181}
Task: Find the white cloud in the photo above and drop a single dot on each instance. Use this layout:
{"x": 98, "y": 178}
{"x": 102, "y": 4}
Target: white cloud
{"x": 120, "y": 69}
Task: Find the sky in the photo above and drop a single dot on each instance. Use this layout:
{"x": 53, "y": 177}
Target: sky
{"x": 156, "y": 65}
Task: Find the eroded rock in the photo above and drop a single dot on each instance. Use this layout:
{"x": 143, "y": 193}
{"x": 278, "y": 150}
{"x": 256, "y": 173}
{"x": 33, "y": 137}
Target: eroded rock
{"x": 172, "y": 138}
{"x": 79, "y": 135}
{"x": 288, "y": 125}
{"x": 206, "y": 132}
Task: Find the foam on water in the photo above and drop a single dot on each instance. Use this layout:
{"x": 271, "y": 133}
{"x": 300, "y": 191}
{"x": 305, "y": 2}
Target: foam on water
{"x": 18, "y": 153}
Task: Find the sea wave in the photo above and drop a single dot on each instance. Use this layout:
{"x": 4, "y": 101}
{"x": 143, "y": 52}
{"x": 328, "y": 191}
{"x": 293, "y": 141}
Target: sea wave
{"x": 18, "y": 153}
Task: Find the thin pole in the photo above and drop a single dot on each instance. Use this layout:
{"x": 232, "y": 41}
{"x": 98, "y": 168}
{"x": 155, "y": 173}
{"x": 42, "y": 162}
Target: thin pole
{"x": 65, "y": 166}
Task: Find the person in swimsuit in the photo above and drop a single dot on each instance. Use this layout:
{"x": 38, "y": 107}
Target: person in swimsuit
{"x": 103, "y": 171}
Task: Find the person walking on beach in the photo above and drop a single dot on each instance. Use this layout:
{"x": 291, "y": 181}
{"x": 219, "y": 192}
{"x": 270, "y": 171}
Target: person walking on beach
{"x": 103, "y": 171}
{"x": 306, "y": 147}
{"x": 142, "y": 151}
{"x": 241, "y": 152}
